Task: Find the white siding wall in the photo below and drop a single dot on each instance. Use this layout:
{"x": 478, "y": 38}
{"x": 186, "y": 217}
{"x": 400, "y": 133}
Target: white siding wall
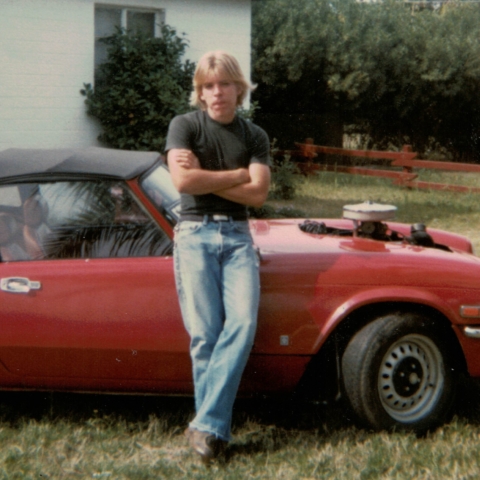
{"x": 46, "y": 54}
{"x": 214, "y": 25}
{"x": 209, "y": 24}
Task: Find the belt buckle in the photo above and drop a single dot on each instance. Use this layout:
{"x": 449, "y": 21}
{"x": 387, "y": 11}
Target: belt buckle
{"x": 220, "y": 218}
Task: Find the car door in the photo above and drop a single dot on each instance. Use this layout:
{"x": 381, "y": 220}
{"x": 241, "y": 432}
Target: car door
{"x": 87, "y": 292}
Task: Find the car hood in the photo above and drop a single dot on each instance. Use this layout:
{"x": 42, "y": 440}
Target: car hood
{"x": 295, "y": 257}
{"x": 285, "y": 235}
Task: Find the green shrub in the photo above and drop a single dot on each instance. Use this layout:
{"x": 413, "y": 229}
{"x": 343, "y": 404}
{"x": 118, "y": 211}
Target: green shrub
{"x": 143, "y": 84}
{"x": 248, "y": 113}
{"x": 283, "y": 180}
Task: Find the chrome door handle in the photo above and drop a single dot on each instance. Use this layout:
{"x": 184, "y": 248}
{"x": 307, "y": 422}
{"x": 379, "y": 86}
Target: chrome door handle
{"x": 18, "y": 285}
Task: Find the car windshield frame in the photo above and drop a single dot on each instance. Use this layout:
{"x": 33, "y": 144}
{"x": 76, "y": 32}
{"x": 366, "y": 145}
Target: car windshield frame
{"x": 157, "y": 185}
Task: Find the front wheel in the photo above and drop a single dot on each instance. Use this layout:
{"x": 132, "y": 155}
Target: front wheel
{"x": 397, "y": 373}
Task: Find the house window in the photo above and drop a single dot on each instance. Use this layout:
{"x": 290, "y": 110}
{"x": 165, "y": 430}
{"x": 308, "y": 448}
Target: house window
{"x": 133, "y": 19}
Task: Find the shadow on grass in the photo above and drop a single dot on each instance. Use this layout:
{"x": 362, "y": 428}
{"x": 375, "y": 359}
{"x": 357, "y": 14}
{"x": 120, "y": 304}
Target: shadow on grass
{"x": 77, "y": 407}
{"x": 468, "y": 401}
{"x": 260, "y": 425}
{"x": 18, "y": 407}
{"x": 283, "y": 412}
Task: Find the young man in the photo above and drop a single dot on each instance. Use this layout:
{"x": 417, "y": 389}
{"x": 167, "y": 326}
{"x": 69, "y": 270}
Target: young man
{"x": 219, "y": 163}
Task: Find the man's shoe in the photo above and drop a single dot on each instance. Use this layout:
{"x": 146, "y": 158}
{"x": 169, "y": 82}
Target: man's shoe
{"x": 205, "y": 444}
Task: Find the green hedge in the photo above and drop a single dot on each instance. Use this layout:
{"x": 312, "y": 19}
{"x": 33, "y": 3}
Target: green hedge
{"x": 143, "y": 84}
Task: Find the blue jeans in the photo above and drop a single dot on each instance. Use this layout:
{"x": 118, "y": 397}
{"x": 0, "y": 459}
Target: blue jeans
{"x": 217, "y": 277}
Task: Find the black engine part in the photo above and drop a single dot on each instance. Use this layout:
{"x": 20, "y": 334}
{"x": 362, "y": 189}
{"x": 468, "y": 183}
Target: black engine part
{"x": 376, "y": 231}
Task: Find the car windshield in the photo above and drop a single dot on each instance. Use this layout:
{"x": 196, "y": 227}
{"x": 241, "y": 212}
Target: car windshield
{"x": 158, "y": 186}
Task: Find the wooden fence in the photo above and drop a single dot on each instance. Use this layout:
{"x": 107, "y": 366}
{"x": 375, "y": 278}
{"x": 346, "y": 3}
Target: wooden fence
{"x": 398, "y": 166}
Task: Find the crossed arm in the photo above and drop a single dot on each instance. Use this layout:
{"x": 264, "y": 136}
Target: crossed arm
{"x": 246, "y": 186}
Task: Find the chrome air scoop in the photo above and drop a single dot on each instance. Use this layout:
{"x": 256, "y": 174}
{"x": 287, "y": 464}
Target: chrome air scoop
{"x": 369, "y": 212}
{"x": 369, "y": 222}
{"x": 368, "y": 217}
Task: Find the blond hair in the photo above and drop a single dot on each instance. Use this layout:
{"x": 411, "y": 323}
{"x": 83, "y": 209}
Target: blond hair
{"x": 218, "y": 63}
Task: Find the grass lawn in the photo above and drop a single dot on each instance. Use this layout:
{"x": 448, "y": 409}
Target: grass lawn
{"x": 67, "y": 436}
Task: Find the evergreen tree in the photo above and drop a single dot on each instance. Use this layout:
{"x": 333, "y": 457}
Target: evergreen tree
{"x": 398, "y": 76}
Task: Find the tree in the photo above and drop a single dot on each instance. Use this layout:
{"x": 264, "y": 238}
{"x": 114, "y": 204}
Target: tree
{"x": 143, "y": 84}
{"x": 398, "y": 76}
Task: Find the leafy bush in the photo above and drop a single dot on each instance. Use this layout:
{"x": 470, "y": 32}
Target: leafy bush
{"x": 143, "y": 84}
{"x": 283, "y": 180}
{"x": 248, "y": 113}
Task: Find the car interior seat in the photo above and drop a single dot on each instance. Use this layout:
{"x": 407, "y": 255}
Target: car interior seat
{"x": 35, "y": 230}
{"x": 10, "y": 249}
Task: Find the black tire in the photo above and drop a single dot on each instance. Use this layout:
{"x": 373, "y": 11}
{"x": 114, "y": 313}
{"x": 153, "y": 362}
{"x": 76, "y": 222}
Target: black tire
{"x": 397, "y": 374}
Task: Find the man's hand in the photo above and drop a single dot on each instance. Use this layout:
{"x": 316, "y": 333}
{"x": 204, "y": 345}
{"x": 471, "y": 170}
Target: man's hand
{"x": 254, "y": 191}
{"x": 186, "y": 159}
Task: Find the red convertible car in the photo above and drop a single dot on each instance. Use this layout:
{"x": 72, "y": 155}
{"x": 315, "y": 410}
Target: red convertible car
{"x": 382, "y": 314}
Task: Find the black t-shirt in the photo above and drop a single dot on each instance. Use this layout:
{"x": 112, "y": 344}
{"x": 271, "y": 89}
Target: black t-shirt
{"x": 218, "y": 147}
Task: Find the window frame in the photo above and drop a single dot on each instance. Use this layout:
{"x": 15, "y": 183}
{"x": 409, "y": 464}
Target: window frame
{"x": 159, "y": 21}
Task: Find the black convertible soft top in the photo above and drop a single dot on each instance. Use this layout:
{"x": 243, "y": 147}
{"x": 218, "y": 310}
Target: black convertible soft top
{"x": 91, "y": 161}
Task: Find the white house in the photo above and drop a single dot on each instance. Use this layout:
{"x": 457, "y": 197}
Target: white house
{"x": 48, "y": 50}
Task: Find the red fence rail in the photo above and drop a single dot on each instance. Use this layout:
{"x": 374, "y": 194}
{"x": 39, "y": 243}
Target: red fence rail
{"x": 406, "y": 159}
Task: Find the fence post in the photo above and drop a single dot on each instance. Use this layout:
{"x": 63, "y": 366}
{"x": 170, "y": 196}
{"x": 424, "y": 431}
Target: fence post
{"x": 309, "y": 149}
{"x": 407, "y": 149}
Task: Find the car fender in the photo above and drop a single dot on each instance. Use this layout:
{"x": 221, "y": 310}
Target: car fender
{"x": 371, "y": 296}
